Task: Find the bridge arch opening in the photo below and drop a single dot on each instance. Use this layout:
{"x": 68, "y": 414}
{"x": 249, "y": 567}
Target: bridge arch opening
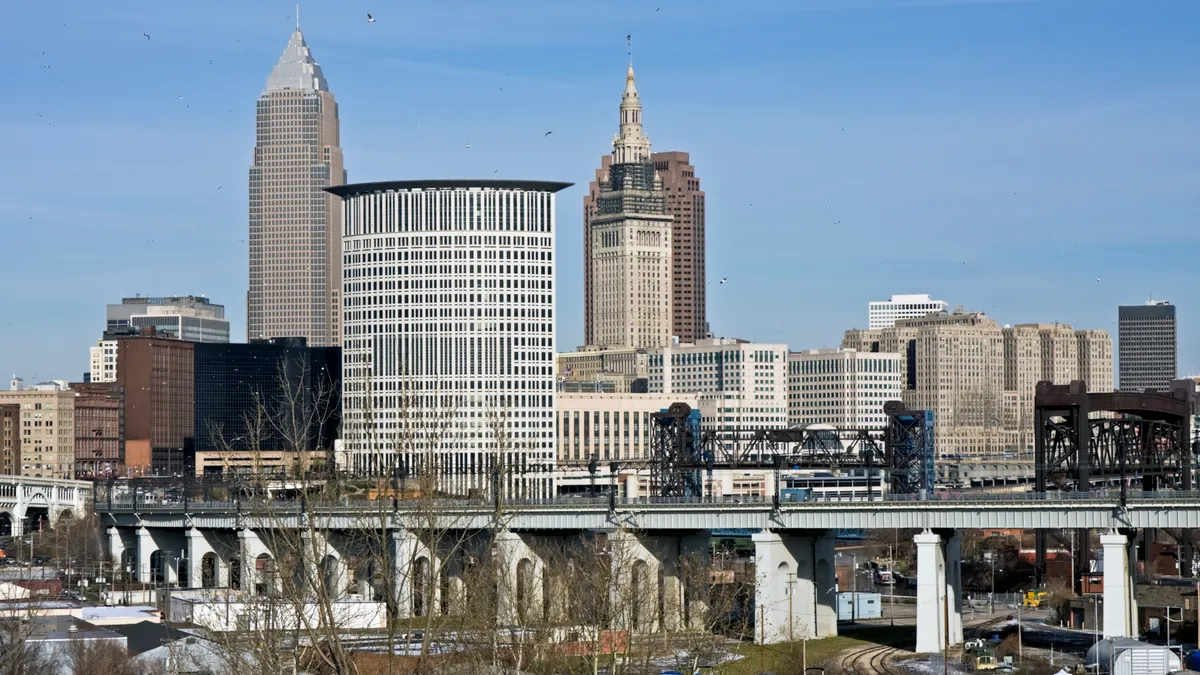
{"x": 639, "y": 595}
{"x": 37, "y": 519}
{"x": 330, "y": 569}
{"x": 66, "y": 514}
{"x": 235, "y": 573}
{"x": 420, "y": 584}
{"x": 158, "y": 567}
{"x": 208, "y": 571}
{"x": 264, "y": 573}
{"x": 781, "y": 585}
{"x": 6, "y": 524}
{"x": 525, "y": 583}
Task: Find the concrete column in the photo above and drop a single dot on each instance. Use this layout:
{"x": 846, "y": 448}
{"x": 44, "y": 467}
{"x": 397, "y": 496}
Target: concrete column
{"x": 631, "y": 486}
{"x": 403, "y": 552}
{"x": 521, "y": 572}
{"x": 116, "y": 551}
{"x": 145, "y": 548}
{"x": 333, "y": 575}
{"x": 670, "y": 592}
{"x": 786, "y": 592}
{"x": 694, "y": 551}
{"x": 249, "y": 548}
{"x": 825, "y": 578}
{"x": 197, "y": 547}
{"x": 931, "y": 593}
{"x": 635, "y": 595}
{"x": 952, "y": 541}
{"x": 1119, "y": 610}
{"x": 559, "y": 601}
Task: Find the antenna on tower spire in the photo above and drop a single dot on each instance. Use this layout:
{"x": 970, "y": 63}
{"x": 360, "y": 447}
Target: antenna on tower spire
{"x": 297, "y": 16}
{"x": 629, "y": 48}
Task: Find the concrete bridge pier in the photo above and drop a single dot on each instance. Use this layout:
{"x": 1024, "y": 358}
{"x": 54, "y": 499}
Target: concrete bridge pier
{"x": 402, "y": 554}
{"x": 148, "y": 545}
{"x": 795, "y": 589}
{"x": 1120, "y": 605}
{"x": 939, "y": 590}
{"x": 198, "y": 546}
{"x": 653, "y": 573}
{"x": 250, "y": 548}
{"x": 116, "y": 551}
{"x": 521, "y": 581}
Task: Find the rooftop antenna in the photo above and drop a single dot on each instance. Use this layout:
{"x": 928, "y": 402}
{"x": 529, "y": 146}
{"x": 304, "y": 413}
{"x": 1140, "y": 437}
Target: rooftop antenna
{"x": 297, "y": 16}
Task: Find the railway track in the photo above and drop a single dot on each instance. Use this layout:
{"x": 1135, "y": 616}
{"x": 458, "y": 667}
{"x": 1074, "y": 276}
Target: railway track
{"x": 872, "y": 661}
{"x": 880, "y": 659}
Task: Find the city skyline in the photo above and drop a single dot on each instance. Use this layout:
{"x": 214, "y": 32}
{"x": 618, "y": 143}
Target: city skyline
{"x": 1064, "y": 152}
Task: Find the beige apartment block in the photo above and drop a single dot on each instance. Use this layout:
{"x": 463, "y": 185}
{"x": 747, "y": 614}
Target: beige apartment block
{"x": 10, "y": 437}
{"x": 46, "y": 431}
{"x": 295, "y": 226}
{"x": 738, "y": 384}
{"x": 841, "y": 387}
{"x": 608, "y": 427}
{"x": 1095, "y": 351}
{"x": 950, "y": 364}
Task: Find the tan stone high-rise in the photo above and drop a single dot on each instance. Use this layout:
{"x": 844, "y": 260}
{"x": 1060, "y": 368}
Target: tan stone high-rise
{"x": 629, "y": 242}
{"x": 296, "y": 227}
{"x": 42, "y": 442}
{"x": 685, "y": 203}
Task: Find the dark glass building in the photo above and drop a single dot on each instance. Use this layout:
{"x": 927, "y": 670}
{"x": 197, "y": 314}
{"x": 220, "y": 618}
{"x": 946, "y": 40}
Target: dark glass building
{"x": 267, "y": 397}
{"x": 1147, "y": 346}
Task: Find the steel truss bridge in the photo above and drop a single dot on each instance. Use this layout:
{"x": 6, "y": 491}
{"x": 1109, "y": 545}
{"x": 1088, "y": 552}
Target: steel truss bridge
{"x": 1141, "y": 441}
{"x": 682, "y": 452}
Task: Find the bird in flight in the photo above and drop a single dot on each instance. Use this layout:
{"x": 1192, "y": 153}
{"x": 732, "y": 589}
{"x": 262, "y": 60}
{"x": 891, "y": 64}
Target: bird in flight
{"x": 146, "y": 35}
{"x": 220, "y": 186}
{"x": 548, "y": 133}
{"x": 724, "y": 279}
{"x": 370, "y": 19}
{"x": 468, "y": 146}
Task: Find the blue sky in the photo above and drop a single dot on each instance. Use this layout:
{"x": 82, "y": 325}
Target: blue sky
{"x": 1039, "y": 161}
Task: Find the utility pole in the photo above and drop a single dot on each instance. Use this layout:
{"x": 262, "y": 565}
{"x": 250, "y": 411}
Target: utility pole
{"x": 854, "y": 588}
{"x": 1020, "y": 637}
{"x": 991, "y": 557}
{"x": 892, "y": 586}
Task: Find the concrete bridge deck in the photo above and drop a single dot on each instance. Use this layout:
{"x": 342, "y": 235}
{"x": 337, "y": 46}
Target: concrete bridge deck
{"x": 943, "y": 510}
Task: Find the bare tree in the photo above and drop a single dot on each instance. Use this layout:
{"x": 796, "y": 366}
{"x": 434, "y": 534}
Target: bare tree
{"x": 101, "y": 657}
{"x": 19, "y": 653}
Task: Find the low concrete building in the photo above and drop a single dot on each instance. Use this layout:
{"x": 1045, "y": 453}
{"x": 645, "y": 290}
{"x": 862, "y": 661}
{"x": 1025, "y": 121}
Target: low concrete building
{"x": 607, "y": 427}
{"x": 224, "y": 610}
{"x": 595, "y": 370}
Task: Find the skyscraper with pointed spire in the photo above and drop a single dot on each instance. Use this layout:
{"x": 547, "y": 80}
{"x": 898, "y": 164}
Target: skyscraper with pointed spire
{"x": 628, "y": 245}
{"x": 295, "y": 226}
{"x": 683, "y": 202}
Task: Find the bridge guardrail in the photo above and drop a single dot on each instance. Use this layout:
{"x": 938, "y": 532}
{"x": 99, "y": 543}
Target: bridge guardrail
{"x": 151, "y": 503}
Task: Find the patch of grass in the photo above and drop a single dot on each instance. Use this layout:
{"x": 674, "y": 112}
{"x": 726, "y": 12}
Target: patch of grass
{"x": 785, "y": 657}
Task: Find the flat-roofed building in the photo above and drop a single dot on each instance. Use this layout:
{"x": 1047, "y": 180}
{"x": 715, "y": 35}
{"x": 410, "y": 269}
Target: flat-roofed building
{"x": 608, "y": 427}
